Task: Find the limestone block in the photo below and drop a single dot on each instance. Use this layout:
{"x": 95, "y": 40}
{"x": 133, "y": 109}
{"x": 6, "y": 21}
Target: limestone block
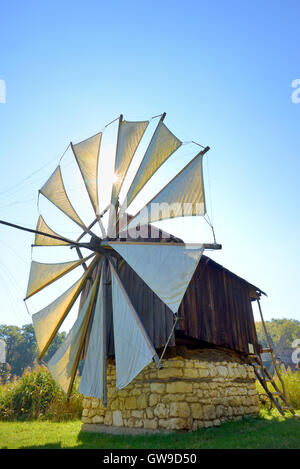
{"x": 214, "y": 385}
{"x": 142, "y": 401}
{"x": 115, "y": 404}
{"x": 161, "y": 411}
{"x": 129, "y": 422}
{"x": 178, "y": 424}
{"x": 154, "y": 399}
{"x": 163, "y": 423}
{"x": 86, "y": 420}
{"x": 130, "y": 402}
{"x": 139, "y": 414}
{"x": 220, "y": 411}
{"x": 196, "y": 411}
{"x": 207, "y": 424}
{"x": 197, "y": 424}
{"x": 179, "y": 409}
{"x": 97, "y": 419}
{"x": 173, "y": 363}
{"x": 86, "y": 403}
{"x": 108, "y": 418}
{"x": 203, "y": 372}
{"x": 157, "y": 387}
{"x": 209, "y": 412}
{"x": 191, "y": 398}
{"x": 169, "y": 373}
{"x": 203, "y": 385}
{"x": 212, "y": 370}
{"x": 151, "y": 424}
{"x": 222, "y": 371}
{"x": 216, "y": 422}
{"x": 149, "y": 413}
{"x": 190, "y": 373}
{"x": 138, "y": 423}
{"x": 242, "y": 371}
{"x": 179, "y": 387}
{"x": 174, "y": 398}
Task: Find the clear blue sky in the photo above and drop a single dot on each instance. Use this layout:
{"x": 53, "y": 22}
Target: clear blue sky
{"x": 222, "y": 70}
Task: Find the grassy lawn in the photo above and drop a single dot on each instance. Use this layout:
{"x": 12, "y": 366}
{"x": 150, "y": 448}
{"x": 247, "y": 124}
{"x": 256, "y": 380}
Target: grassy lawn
{"x": 268, "y": 431}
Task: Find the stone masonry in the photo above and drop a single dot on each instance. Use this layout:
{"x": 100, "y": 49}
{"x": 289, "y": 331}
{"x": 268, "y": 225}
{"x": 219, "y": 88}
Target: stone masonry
{"x": 195, "y": 388}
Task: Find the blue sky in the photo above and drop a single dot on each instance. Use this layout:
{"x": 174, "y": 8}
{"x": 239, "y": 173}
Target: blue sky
{"x": 221, "y": 70}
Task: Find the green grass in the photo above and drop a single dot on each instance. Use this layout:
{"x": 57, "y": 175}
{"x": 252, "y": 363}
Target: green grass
{"x": 270, "y": 430}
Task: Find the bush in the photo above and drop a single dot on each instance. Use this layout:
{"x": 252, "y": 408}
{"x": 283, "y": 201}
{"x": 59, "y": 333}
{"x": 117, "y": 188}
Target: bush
{"x": 291, "y": 380}
{"x": 35, "y": 395}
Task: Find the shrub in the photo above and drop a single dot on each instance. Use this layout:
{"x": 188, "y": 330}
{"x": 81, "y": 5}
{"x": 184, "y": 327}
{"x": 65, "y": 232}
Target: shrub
{"x": 35, "y": 395}
{"x": 291, "y": 380}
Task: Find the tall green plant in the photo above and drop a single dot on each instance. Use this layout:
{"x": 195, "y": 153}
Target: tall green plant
{"x": 291, "y": 381}
{"x": 35, "y": 395}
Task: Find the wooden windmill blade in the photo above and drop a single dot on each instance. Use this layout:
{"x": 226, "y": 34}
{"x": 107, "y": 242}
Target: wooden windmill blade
{"x": 108, "y": 321}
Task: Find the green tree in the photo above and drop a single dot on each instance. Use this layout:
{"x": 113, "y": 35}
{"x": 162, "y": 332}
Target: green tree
{"x": 21, "y": 346}
{"x": 276, "y": 328}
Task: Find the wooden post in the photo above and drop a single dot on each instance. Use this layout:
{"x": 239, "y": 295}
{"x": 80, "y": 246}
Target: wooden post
{"x": 271, "y": 351}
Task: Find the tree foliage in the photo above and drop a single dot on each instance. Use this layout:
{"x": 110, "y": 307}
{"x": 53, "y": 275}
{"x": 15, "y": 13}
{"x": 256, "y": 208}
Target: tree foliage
{"x": 290, "y": 328}
{"x": 21, "y": 347}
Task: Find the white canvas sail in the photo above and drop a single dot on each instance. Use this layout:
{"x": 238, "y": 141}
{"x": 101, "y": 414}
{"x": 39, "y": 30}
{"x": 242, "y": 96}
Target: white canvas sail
{"x": 133, "y": 349}
{"x": 182, "y": 196}
{"x": 63, "y": 364}
{"x": 166, "y": 269}
{"x": 41, "y": 275}
{"x": 47, "y": 321}
{"x": 41, "y": 240}
{"x": 130, "y": 134}
{"x": 54, "y": 190}
{"x": 92, "y": 379}
{"x": 163, "y": 144}
{"x": 129, "y": 137}
{"x": 87, "y": 156}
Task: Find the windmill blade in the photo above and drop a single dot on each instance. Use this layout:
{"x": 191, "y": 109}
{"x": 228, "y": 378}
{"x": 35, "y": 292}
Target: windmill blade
{"x": 54, "y": 190}
{"x": 41, "y": 275}
{"x": 87, "y": 156}
{"x": 163, "y": 144}
{"x": 182, "y": 196}
{"x": 41, "y": 240}
{"x": 64, "y": 362}
{"x": 133, "y": 349}
{"x": 129, "y": 137}
{"x": 166, "y": 269}
{"x": 92, "y": 381}
{"x": 47, "y": 321}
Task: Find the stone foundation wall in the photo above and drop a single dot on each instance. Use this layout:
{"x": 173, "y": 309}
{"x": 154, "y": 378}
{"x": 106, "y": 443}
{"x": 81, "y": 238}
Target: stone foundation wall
{"x": 194, "y": 389}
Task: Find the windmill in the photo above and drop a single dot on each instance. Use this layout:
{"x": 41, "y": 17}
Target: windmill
{"x": 165, "y": 264}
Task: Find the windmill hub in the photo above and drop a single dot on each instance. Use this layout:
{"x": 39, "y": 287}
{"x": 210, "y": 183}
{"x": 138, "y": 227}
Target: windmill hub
{"x": 100, "y": 245}
{"x": 95, "y": 244}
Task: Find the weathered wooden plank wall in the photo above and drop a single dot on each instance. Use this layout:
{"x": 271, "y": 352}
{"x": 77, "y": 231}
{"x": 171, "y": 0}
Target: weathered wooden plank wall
{"x": 216, "y": 309}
